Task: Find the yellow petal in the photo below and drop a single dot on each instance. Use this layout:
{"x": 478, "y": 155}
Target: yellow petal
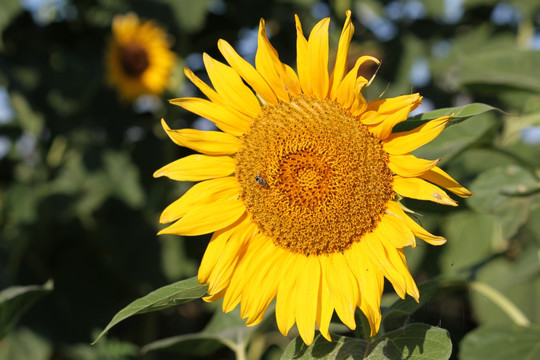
{"x": 367, "y": 276}
{"x": 377, "y": 111}
{"x": 205, "y": 192}
{"x": 417, "y": 230}
{"x": 268, "y": 64}
{"x": 438, "y": 176}
{"x": 383, "y": 129}
{"x": 225, "y": 118}
{"x": 377, "y": 254}
{"x": 228, "y": 261}
{"x": 395, "y": 233}
{"x": 230, "y": 86}
{"x": 302, "y": 58}
{"x": 247, "y": 72}
{"x": 205, "y": 89}
{"x": 343, "y": 287}
{"x": 198, "y": 167}
{"x": 407, "y": 141}
{"x": 318, "y": 55}
{"x": 408, "y": 165}
{"x": 325, "y": 309}
{"x": 206, "y": 142}
{"x": 286, "y": 296}
{"x": 346, "y": 93}
{"x": 416, "y": 188}
{"x": 307, "y": 291}
{"x": 214, "y": 251}
{"x": 412, "y": 289}
{"x": 207, "y": 218}
{"x": 340, "y": 66}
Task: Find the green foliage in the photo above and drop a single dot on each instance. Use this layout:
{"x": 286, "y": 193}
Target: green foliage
{"x": 414, "y": 341}
{"x": 15, "y": 301}
{"x": 162, "y": 298}
{"x": 501, "y": 342}
{"x": 78, "y": 203}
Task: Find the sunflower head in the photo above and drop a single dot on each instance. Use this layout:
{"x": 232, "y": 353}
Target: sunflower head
{"x": 301, "y": 187}
{"x": 138, "y": 57}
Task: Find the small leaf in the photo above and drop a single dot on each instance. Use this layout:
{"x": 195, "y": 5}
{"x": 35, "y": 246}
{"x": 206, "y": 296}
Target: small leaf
{"x": 501, "y": 343}
{"x": 461, "y": 113}
{"x": 162, "y": 298}
{"x": 15, "y": 300}
{"x": 414, "y": 341}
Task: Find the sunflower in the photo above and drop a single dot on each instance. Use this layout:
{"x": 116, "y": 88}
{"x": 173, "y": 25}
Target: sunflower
{"x": 301, "y": 188}
{"x": 138, "y": 57}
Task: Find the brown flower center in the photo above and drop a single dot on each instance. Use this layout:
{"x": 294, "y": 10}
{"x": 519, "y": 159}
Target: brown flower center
{"x": 313, "y": 178}
{"x": 134, "y": 59}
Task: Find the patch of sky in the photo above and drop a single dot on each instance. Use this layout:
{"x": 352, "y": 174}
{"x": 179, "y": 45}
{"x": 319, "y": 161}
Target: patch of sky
{"x": 420, "y": 74}
{"x": 194, "y": 61}
{"x": 134, "y": 134}
{"x": 535, "y": 41}
{"x": 453, "y": 11}
{"x": 6, "y": 110}
{"x": 26, "y": 144}
{"x": 146, "y": 104}
{"x": 203, "y": 125}
{"x": 247, "y": 42}
{"x": 505, "y": 14}
{"x": 47, "y": 11}
{"x": 217, "y": 7}
{"x": 408, "y": 11}
{"x": 383, "y": 28}
{"x": 441, "y": 48}
{"x": 427, "y": 105}
{"x": 5, "y": 145}
{"x": 530, "y": 135}
{"x": 320, "y": 10}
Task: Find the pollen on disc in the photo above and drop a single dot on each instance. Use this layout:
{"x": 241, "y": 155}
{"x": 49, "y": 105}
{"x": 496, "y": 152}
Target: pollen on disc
{"x": 313, "y": 178}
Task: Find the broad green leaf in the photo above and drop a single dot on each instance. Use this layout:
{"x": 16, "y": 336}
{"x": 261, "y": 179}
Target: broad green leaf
{"x": 472, "y": 238}
{"x": 516, "y": 277}
{"x": 414, "y": 341}
{"x": 162, "y": 298}
{"x": 407, "y": 306}
{"x": 460, "y": 113}
{"x": 189, "y": 14}
{"x": 455, "y": 139}
{"x": 501, "y": 343}
{"x": 507, "y": 192}
{"x": 23, "y": 344}
{"x": 223, "y": 329}
{"x": 16, "y": 300}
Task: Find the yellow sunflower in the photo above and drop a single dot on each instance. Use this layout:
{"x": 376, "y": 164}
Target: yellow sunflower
{"x": 301, "y": 188}
{"x": 138, "y": 57}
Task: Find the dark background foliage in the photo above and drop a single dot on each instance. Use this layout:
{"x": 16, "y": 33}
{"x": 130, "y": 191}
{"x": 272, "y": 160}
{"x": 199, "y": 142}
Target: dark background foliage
{"x": 79, "y": 205}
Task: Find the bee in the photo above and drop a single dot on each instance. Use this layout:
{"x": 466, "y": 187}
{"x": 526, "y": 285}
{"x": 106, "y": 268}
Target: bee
{"x": 259, "y": 180}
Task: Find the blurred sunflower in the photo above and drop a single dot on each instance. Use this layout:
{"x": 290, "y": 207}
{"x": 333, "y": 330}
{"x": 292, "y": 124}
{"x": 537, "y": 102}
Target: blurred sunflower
{"x": 301, "y": 188}
{"x": 138, "y": 57}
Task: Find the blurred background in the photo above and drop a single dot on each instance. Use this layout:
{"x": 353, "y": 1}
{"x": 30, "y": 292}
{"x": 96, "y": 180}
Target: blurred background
{"x": 79, "y": 205}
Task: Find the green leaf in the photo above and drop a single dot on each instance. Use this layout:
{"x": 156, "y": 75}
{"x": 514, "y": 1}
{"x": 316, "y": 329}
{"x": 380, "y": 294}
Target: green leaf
{"x": 407, "y": 306}
{"x": 191, "y": 15}
{"x": 472, "y": 238}
{"x": 162, "y": 298}
{"x": 16, "y": 300}
{"x": 460, "y": 113}
{"x": 223, "y": 329}
{"x": 507, "y": 192}
{"x": 10, "y": 9}
{"x": 23, "y": 344}
{"x": 455, "y": 139}
{"x": 414, "y": 341}
{"x": 501, "y": 343}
